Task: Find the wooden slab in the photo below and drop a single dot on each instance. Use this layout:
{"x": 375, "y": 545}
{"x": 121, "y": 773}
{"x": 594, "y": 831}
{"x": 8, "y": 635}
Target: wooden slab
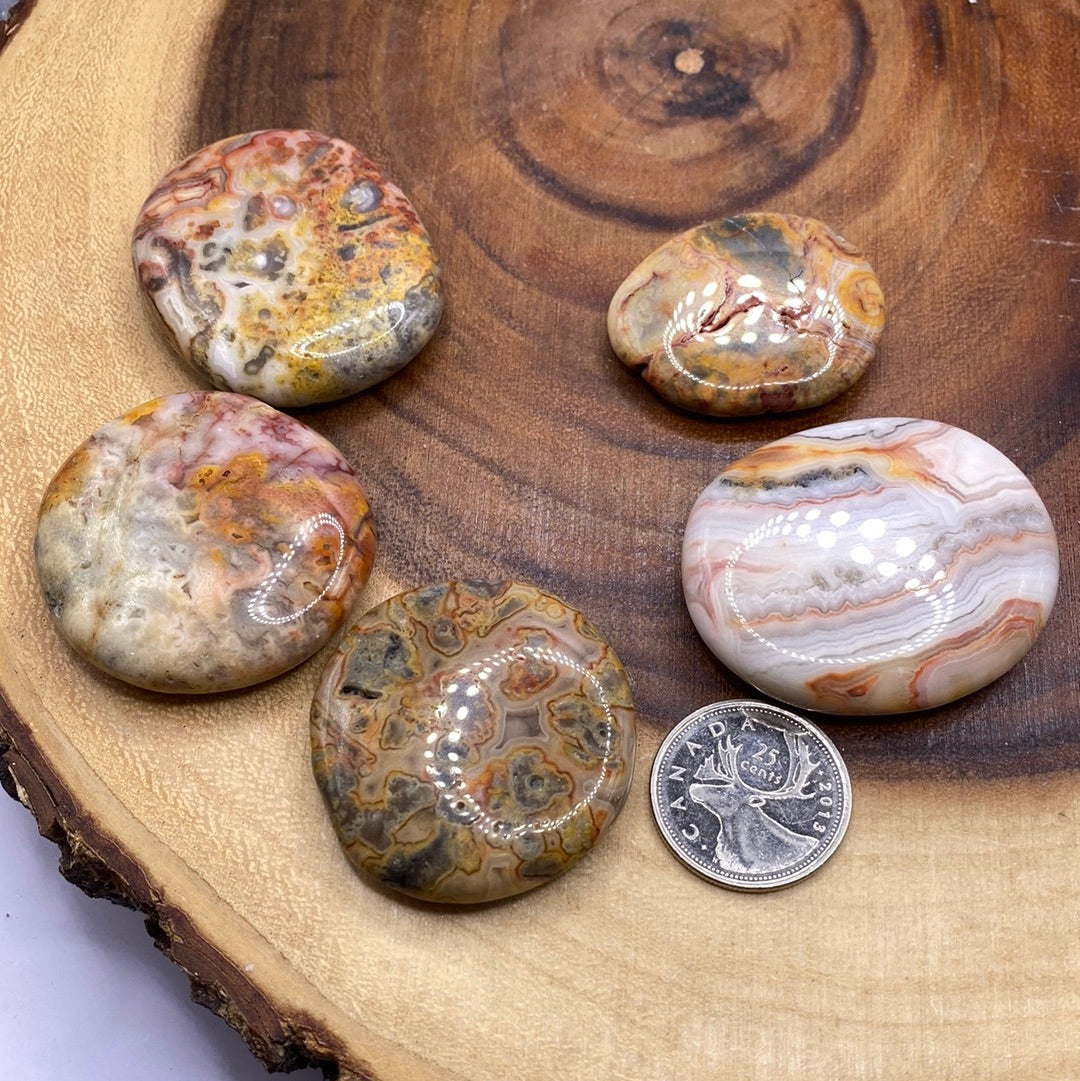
{"x": 549, "y": 146}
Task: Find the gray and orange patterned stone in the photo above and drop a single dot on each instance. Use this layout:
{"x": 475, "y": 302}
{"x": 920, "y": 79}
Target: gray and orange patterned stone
{"x": 758, "y": 313}
{"x": 286, "y": 266}
{"x": 202, "y": 542}
{"x": 472, "y": 740}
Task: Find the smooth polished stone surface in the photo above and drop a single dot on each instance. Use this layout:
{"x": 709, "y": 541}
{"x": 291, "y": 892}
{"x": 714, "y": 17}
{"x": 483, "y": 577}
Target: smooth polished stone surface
{"x": 759, "y": 313}
{"x": 873, "y": 566}
{"x": 288, "y": 267}
{"x": 202, "y": 542}
{"x": 472, "y": 740}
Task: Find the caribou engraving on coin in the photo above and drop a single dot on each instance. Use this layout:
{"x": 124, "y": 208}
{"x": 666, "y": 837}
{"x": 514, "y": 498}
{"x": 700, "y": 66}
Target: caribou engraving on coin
{"x": 750, "y": 795}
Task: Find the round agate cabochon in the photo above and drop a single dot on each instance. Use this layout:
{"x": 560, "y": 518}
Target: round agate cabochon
{"x": 870, "y": 567}
{"x": 286, "y": 266}
{"x": 758, "y": 313}
{"x": 472, "y": 740}
{"x": 202, "y": 542}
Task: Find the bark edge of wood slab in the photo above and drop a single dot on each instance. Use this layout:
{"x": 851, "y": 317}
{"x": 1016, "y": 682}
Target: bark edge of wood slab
{"x": 216, "y": 982}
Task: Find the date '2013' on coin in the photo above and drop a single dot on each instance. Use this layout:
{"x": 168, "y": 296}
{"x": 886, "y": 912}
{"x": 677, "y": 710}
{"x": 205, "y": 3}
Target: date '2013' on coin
{"x": 749, "y": 795}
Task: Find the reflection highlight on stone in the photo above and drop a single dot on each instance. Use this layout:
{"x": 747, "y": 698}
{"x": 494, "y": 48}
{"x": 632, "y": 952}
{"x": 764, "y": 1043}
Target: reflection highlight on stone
{"x": 260, "y": 603}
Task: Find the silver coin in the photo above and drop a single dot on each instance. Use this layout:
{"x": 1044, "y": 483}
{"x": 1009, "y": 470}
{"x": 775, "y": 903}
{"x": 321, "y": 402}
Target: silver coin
{"x": 750, "y": 795}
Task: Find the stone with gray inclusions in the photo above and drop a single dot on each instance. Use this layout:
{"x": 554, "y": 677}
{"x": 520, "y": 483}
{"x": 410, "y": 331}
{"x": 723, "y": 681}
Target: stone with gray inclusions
{"x": 472, "y": 740}
{"x": 756, "y": 313}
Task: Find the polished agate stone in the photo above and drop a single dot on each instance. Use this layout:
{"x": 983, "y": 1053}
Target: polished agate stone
{"x": 873, "y": 566}
{"x": 285, "y": 265}
{"x": 759, "y": 313}
{"x": 472, "y": 740}
{"x": 202, "y": 542}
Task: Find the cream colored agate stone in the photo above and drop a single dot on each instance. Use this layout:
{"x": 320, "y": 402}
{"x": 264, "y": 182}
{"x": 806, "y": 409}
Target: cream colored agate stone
{"x": 870, "y": 567}
{"x": 472, "y": 740}
{"x": 202, "y": 542}
{"x": 287, "y": 266}
{"x": 758, "y": 313}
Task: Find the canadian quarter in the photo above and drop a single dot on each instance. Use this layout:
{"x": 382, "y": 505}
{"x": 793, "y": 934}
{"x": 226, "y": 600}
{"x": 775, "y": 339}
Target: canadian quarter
{"x": 750, "y": 795}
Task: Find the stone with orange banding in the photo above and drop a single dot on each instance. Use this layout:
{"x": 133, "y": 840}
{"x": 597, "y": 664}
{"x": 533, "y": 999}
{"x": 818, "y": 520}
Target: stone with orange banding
{"x": 870, "y": 567}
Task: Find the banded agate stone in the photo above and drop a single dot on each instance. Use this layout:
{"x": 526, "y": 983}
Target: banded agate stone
{"x": 870, "y": 567}
{"x": 758, "y": 313}
{"x": 285, "y": 265}
{"x": 472, "y": 740}
{"x": 202, "y": 542}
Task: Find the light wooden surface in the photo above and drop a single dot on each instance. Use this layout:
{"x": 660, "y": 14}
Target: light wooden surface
{"x": 548, "y": 147}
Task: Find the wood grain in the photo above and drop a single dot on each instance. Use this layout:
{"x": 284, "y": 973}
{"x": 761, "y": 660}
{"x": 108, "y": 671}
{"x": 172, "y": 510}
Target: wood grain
{"x": 548, "y": 147}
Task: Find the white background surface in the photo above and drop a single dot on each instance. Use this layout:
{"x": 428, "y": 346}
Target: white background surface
{"x": 84, "y": 994}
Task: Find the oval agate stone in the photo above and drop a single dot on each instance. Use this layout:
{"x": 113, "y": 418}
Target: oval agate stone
{"x": 202, "y": 542}
{"x": 472, "y": 740}
{"x": 869, "y": 567}
{"x": 285, "y": 265}
{"x": 758, "y": 313}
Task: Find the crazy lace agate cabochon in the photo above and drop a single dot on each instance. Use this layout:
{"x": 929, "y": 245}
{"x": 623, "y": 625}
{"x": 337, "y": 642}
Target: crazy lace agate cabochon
{"x": 870, "y": 567}
{"x": 758, "y": 313}
{"x": 472, "y": 740}
{"x": 287, "y": 266}
{"x": 202, "y": 542}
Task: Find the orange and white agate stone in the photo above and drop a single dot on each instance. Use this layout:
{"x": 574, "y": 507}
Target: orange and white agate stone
{"x": 202, "y": 542}
{"x": 870, "y": 567}
{"x": 472, "y": 740}
{"x": 286, "y": 265}
{"x": 757, "y": 313}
